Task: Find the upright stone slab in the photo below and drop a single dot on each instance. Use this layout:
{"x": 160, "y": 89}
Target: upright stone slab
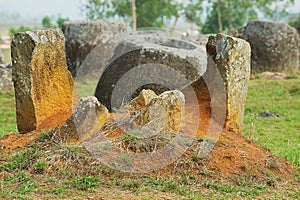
{"x": 84, "y": 36}
{"x": 232, "y": 58}
{"x": 275, "y": 46}
{"x": 43, "y": 84}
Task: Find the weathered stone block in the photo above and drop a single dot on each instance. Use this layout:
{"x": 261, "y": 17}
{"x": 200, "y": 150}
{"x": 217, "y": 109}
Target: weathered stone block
{"x": 275, "y": 46}
{"x": 141, "y": 101}
{"x": 164, "y": 113}
{"x": 87, "y": 120}
{"x": 43, "y": 84}
{"x": 84, "y": 36}
{"x": 232, "y": 58}
{"x": 149, "y": 61}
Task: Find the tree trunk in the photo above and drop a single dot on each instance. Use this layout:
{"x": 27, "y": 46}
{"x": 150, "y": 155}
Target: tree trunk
{"x": 219, "y": 17}
{"x": 174, "y": 25}
{"x": 133, "y": 15}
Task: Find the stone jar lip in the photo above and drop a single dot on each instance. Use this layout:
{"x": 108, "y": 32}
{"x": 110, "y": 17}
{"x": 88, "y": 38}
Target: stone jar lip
{"x": 151, "y": 60}
{"x": 152, "y": 41}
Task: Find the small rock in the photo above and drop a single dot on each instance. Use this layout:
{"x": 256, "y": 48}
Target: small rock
{"x": 87, "y": 119}
{"x": 274, "y": 75}
{"x": 164, "y": 113}
{"x": 5, "y": 78}
{"x": 141, "y": 101}
{"x": 266, "y": 114}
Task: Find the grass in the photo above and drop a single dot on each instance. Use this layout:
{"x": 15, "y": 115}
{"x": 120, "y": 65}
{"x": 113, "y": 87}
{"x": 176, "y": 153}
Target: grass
{"x": 280, "y": 135}
{"x": 7, "y": 113}
{"x": 58, "y": 171}
{"x": 52, "y": 172}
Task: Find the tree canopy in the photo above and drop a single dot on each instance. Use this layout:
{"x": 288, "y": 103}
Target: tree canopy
{"x": 150, "y": 13}
{"x": 209, "y": 15}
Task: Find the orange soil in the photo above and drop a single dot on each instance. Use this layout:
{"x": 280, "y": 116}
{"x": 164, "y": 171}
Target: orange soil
{"x": 232, "y": 156}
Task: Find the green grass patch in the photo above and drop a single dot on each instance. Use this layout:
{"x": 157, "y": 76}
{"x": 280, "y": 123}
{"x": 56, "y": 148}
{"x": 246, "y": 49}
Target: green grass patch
{"x": 280, "y": 135}
{"x": 7, "y": 113}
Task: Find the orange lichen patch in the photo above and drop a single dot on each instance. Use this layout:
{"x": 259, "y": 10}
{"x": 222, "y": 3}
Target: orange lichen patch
{"x": 52, "y": 97}
{"x": 13, "y": 141}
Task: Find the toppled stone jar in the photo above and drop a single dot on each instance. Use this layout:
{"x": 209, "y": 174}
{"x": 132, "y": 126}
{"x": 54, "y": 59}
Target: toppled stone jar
{"x": 149, "y": 61}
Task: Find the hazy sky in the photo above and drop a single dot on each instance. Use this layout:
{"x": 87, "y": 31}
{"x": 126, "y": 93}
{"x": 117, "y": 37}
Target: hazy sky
{"x": 30, "y": 9}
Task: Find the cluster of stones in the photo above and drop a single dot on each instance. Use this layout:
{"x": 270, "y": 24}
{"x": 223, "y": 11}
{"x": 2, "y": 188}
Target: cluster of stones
{"x": 44, "y": 85}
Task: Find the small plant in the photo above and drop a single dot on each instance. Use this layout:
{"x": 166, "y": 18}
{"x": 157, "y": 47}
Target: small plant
{"x": 131, "y": 184}
{"x": 39, "y": 167}
{"x": 86, "y": 182}
{"x": 18, "y": 178}
{"x": 220, "y": 187}
{"x": 44, "y": 136}
{"x": 28, "y": 187}
{"x": 23, "y": 160}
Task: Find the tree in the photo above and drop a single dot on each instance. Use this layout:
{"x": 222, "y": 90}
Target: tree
{"x": 225, "y": 15}
{"x": 133, "y": 15}
{"x": 294, "y": 21}
{"x": 60, "y": 21}
{"x": 149, "y": 13}
{"x": 46, "y": 22}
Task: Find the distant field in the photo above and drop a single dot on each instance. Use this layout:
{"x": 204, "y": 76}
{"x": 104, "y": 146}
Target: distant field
{"x": 4, "y": 29}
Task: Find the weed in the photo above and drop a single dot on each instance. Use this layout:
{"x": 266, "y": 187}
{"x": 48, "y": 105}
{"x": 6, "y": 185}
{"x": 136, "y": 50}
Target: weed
{"x": 131, "y": 184}
{"x": 45, "y": 135}
{"x": 39, "y": 167}
{"x": 292, "y": 76}
{"x": 22, "y": 161}
{"x": 27, "y": 187}
{"x": 85, "y": 182}
{"x": 7, "y": 113}
{"x": 18, "y": 178}
{"x": 219, "y": 186}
